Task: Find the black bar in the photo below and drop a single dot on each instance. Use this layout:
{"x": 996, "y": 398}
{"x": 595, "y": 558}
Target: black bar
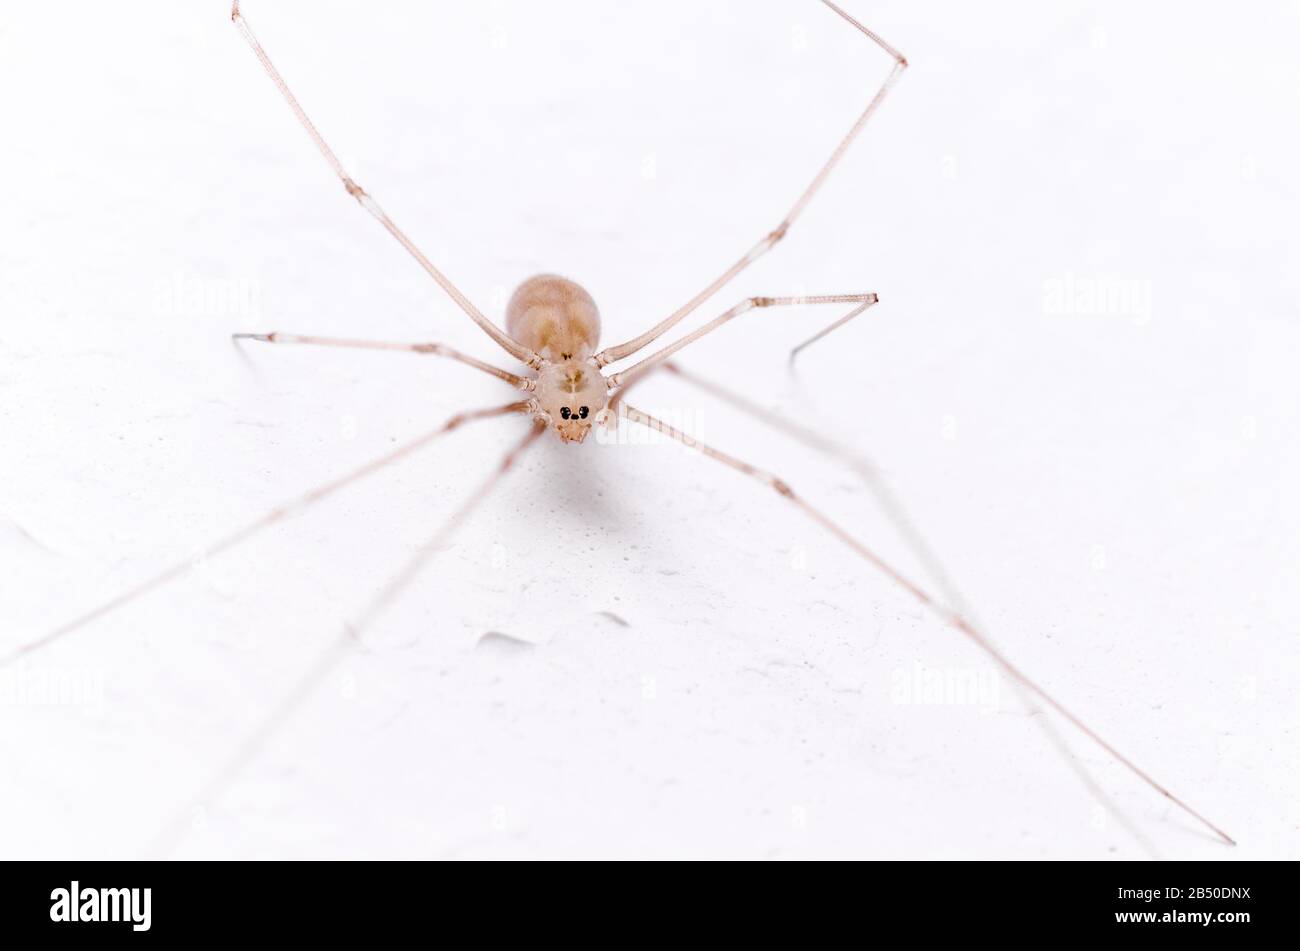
{"x": 1223, "y": 902}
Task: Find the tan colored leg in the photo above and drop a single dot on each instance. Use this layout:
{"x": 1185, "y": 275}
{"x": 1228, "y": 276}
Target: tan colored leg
{"x": 954, "y": 600}
{"x": 824, "y": 332}
{"x": 438, "y": 349}
{"x": 511, "y": 347}
{"x": 949, "y": 616}
{"x": 861, "y": 302}
{"x": 338, "y": 648}
{"x": 612, "y": 354}
{"x": 277, "y": 514}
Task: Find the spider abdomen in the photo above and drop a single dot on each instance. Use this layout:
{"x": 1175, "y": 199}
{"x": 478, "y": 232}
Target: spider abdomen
{"x": 554, "y": 317}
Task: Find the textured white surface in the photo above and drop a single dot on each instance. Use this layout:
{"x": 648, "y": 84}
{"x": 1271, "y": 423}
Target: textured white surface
{"x": 1113, "y": 487}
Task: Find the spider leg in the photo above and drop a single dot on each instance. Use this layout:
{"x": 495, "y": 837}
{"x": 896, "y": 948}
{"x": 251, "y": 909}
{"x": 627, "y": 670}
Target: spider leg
{"x": 769, "y": 240}
{"x": 241, "y": 535}
{"x": 870, "y": 475}
{"x": 437, "y": 349}
{"x": 336, "y": 650}
{"x": 860, "y": 301}
{"x": 951, "y": 617}
{"x": 503, "y": 340}
{"x": 825, "y": 331}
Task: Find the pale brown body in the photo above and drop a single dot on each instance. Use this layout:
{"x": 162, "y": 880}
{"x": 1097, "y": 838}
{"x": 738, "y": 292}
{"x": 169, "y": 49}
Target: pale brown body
{"x": 554, "y": 317}
{"x": 557, "y": 320}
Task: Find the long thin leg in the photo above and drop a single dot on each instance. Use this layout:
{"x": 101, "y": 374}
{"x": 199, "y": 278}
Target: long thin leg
{"x": 862, "y": 302}
{"x": 824, "y": 332}
{"x": 438, "y": 349}
{"x": 951, "y": 617}
{"x": 860, "y": 465}
{"x": 888, "y": 501}
{"x": 611, "y": 354}
{"x": 340, "y": 647}
{"x": 512, "y": 347}
{"x": 276, "y": 514}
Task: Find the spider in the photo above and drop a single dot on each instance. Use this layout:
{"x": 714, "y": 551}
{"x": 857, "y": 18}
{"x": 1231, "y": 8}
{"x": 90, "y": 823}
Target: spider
{"x": 571, "y": 385}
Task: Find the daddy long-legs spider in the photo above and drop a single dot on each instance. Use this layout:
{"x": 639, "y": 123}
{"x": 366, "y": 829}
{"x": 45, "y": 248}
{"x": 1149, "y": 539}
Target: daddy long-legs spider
{"x": 552, "y": 396}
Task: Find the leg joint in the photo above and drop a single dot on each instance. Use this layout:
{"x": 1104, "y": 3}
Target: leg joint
{"x": 782, "y": 487}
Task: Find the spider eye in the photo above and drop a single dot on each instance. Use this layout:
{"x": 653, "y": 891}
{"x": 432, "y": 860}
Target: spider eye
{"x": 582, "y": 413}
{"x": 564, "y": 412}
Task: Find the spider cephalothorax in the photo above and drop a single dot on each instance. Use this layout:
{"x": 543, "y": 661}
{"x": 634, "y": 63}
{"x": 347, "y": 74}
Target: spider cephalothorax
{"x": 570, "y": 396}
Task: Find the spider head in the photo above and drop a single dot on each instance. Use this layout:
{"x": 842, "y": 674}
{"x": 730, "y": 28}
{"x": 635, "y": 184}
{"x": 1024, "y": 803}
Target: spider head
{"x": 569, "y": 396}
